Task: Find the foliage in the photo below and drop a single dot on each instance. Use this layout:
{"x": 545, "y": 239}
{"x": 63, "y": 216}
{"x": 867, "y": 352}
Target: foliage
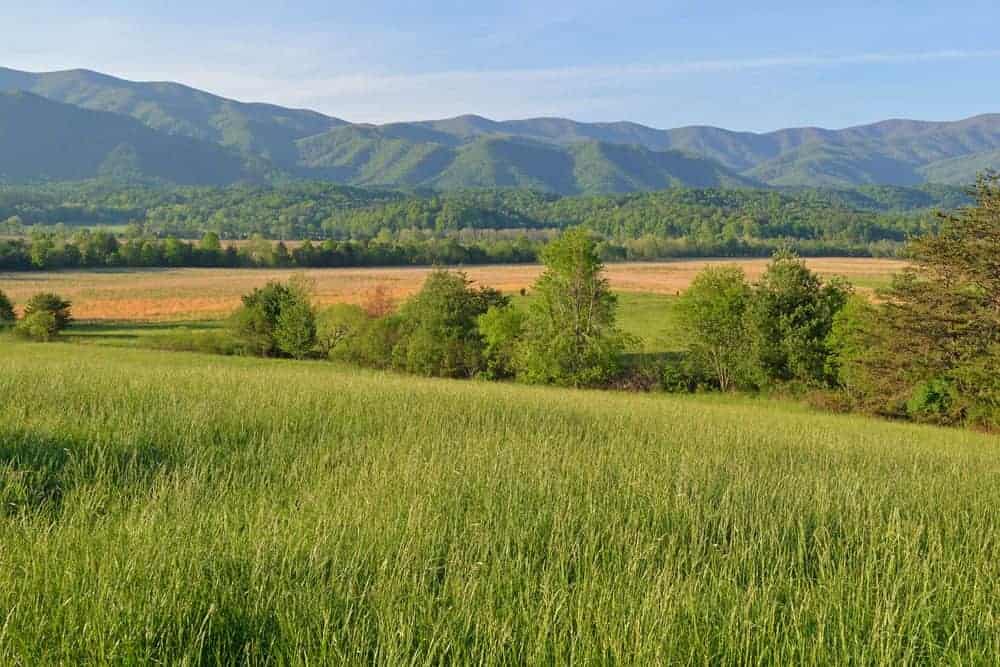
{"x": 439, "y": 336}
{"x": 40, "y": 326}
{"x": 570, "y": 336}
{"x": 337, "y": 325}
{"x": 277, "y": 320}
{"x": 941, "y": 319}
{"x": 789, "y": 318}
{"x": 501, "y": 327}
{"x": 52, "y": 304}
{"x": 712, "y": 312}
{"x": 853, "y": 341}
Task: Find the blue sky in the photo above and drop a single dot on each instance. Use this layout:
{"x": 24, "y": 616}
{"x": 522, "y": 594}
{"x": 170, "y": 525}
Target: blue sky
{"x": 743, "y": 65}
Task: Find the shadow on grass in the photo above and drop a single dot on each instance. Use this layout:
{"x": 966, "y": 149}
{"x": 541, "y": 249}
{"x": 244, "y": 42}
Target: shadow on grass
{"x": 37, "y": 471}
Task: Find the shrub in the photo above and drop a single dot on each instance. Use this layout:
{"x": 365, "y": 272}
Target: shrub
{"x": 295, "y": 333}
{"x": 501, "y": 328}
{"x": 40, "y": 326}
{"x": 53, "y": 304}
{"x": 337, "y": 325}
{"x": 277, "y": 320}
{"x": 935, "y": 401}
{"x": 438, "y": 325}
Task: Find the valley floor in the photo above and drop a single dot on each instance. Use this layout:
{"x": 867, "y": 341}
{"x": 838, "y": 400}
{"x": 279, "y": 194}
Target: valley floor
{"x": 178, "y": 508}
{"x": 195, "y": 294}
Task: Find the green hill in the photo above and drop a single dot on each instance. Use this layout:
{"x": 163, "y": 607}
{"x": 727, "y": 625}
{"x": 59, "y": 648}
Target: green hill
{"x": 556, "y": 154}
{"x": 407, "y": 155}
{"x": 45, "y": 140}
{"x": 962, "y": 170}
{"x": 261, "y": 129}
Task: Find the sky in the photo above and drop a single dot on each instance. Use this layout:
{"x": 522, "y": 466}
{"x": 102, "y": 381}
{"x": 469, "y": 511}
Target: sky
{"x": 751, "y": 65}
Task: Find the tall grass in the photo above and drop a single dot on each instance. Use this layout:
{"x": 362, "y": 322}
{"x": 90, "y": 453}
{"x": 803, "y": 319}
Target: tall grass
{"x": 163, "y": 508}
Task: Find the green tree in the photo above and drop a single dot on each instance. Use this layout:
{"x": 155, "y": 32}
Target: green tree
{"x": 438, "y": 326}
{"x": 501, "y": 328}
{"x": 789, "y": 318}
{"x": 711, "y": 313}
{"x": 38, "y": 326}
{"x": 277, "y": 320}
{"x": 295, "y": 332}
{"x": 570, "y": 334}
{"x": 337, "y": 325}
{"x": 940, "y": 321}
{"x": 52, "y": 304}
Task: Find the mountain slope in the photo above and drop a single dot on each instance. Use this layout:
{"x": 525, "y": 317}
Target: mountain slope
{"x": 262, "y": 129}
{"x": 553, "y": 153}
{"x": 400, "y": 155}
{"x": 41, "y": 139}
{"x": 961, "y": 170}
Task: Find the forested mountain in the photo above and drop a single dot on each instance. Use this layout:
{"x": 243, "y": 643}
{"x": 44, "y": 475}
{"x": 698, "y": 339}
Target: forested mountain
{"x": 554, "y": 154}
{"x": 45, "y": 140}
{"x": 377, "y": 156}
{"x": 262, "y": 129}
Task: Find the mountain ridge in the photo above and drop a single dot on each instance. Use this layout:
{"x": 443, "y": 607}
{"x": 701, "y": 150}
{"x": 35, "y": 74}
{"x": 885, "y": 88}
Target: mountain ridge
{"x": 455, "y": 152}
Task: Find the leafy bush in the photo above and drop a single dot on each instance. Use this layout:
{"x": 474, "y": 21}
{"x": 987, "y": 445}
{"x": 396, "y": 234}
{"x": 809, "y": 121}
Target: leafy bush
{"x": 439, "y": 327}
{"x": 40, "y": 326}
{"x": 337, "y": 325}
{"x": 935, "y": 401}
{"x": 277, "y": 320}
{"x": 501, "y": 327}
{"x": 52, "y": 304}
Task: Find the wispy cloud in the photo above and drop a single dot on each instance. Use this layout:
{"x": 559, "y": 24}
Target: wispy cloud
{"x": 359, "y": 84}
{"x": 380, "y": 96}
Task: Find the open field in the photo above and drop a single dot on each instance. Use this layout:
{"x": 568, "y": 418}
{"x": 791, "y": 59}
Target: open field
{"x": 192, "y": 294}
{"x": 165, "y": 508}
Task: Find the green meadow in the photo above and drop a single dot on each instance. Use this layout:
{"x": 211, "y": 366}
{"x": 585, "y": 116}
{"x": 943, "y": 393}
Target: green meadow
{"x": 172, "y": 508}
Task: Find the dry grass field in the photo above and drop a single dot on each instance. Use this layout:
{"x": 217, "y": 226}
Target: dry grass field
{"x": 192, "y": 294}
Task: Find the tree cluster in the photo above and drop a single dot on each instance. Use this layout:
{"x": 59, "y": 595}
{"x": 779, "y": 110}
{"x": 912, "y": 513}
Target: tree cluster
{"x": 451, "y": 328}
{"x": 44, "y": 316}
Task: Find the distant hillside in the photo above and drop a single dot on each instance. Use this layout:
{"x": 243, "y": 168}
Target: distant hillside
{"x": 400, "y": 156}
{"x": 263, "y": 129}
{"x": 961, "y": 170}
{"x": 45, "y": 140}
{"x": 555, "y": 154}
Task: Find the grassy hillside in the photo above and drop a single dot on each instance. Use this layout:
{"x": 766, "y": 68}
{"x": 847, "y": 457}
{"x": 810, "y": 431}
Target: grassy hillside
{"x": 41, "y": 140}
{"x": 171, "y": 508}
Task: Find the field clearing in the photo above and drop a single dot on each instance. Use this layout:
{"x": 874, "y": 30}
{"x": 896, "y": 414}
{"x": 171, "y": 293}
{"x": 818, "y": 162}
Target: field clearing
{"x": 172, "y": 508}
{"x": 206, "y": 294}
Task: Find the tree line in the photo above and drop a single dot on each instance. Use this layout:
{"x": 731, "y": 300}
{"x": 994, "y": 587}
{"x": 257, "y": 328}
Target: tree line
{"x": 841, "y": 219}
{"x": 101, "y": 249}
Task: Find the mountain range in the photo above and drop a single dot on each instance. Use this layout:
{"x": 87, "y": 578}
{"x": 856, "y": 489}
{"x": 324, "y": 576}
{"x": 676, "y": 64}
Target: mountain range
{"x": 80, "y": 124}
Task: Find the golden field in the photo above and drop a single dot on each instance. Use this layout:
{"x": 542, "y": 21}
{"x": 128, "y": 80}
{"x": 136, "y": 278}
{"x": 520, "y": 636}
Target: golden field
{"x": 174, "y": 294}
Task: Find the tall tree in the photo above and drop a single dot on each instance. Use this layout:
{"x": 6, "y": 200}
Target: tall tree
{"x": 711, "y": 313}
{"x": 571, "y": 336}
{"x": 941, "y": 319}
